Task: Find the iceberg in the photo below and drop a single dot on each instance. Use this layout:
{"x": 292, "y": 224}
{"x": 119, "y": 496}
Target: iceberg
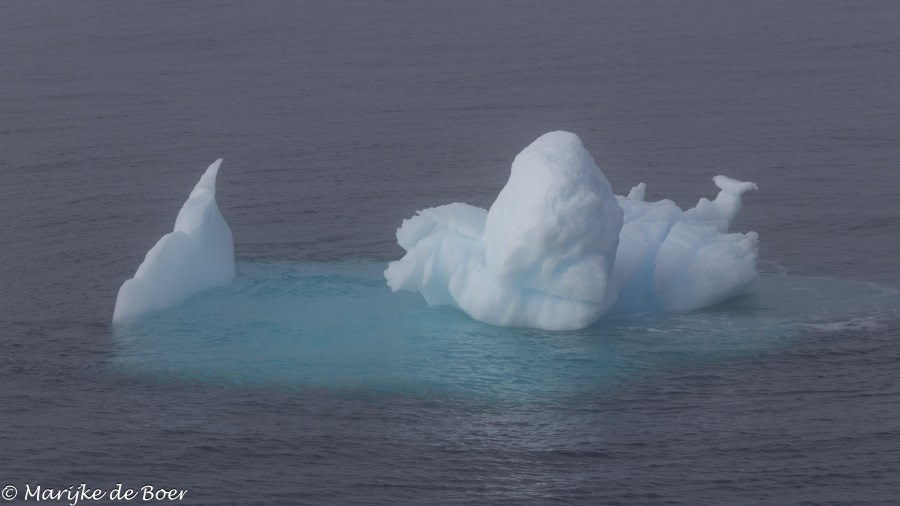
{"x": 557, "y": 250}
{"x": 198, "y": 254}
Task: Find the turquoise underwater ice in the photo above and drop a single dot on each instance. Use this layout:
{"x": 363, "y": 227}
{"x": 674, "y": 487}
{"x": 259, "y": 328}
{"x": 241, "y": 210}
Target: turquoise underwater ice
{"x": 336, "y": 326}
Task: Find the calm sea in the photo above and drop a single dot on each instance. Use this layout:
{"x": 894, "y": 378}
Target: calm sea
{"x": 307, "y": 381}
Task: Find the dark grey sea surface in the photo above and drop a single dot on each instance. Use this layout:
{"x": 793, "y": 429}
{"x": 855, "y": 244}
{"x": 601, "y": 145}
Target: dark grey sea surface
{"x": 338, "y": 120}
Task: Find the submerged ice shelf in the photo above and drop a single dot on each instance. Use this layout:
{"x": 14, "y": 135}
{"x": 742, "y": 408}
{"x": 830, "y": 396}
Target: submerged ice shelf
{"x": 557, "y": 250}
{"x": 336, "y": 327}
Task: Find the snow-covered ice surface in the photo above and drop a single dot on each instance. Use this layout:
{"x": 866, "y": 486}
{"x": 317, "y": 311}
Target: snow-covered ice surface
{"x": 557, "y": 250}
{"x": 198, "y": 254}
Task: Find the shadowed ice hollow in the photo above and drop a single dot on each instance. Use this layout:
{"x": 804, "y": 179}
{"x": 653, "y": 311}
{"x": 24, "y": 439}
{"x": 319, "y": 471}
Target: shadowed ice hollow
{"x": 557, "y": 250}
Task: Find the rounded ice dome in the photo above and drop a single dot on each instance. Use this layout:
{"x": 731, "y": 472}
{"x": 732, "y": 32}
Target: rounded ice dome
{"x": 554, "y": 227}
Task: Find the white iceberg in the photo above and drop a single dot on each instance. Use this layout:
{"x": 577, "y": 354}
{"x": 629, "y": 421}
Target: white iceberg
{"x": 198, "y": 254}
{"x": 557, "y": 250}
{"x": 669, "y": 260}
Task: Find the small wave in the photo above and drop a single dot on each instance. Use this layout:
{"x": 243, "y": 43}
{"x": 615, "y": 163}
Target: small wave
{"x": 863, "y": 323}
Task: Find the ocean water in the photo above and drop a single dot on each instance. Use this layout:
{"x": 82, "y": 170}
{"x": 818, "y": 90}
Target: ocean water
{"x": 308, "y": 381}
